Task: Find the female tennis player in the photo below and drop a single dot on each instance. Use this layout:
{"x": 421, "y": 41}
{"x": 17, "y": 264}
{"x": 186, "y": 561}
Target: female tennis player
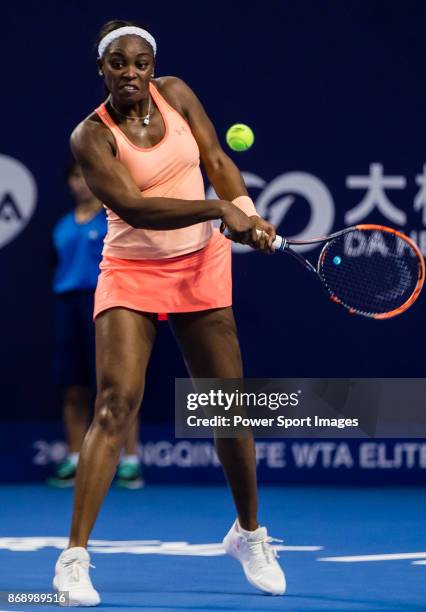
{"x": 140, "y": 153}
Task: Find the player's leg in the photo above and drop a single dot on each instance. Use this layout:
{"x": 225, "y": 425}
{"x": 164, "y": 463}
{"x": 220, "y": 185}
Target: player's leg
{"x": 124, "y": 341}
{"x": 210, "y": 347}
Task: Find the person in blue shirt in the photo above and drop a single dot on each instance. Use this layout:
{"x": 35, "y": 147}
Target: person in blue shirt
{"x": 77, "y": 242}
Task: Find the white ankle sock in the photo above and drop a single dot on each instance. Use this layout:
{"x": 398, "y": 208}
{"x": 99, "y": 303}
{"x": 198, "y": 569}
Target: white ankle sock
{"x": 73, "y": 457}
{"x": 132, "y": 459}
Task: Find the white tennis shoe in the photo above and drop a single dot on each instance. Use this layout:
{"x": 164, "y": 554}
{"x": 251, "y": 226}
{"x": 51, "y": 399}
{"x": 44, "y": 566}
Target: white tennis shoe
{"x": 72, "y": 577}
{"x": 258, "y": 558}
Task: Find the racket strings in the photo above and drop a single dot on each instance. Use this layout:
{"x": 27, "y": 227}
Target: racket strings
{"x": 370, "y": 272}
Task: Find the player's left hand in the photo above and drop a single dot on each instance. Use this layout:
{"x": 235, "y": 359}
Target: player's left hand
{"x": 264, "y": 240}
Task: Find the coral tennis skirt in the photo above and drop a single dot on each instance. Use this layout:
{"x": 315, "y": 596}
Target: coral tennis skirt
{"x": 196, "y": 281}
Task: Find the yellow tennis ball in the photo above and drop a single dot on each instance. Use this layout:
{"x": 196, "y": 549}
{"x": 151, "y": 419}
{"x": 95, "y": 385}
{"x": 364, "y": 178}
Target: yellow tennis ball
{"x": 240, "y": 137}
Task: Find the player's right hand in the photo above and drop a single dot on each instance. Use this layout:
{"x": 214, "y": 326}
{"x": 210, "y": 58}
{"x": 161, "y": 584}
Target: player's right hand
{"x": 241, "y": 228}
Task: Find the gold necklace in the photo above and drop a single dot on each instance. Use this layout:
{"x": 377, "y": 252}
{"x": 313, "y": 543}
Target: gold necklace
{"x": 145, "y": 118}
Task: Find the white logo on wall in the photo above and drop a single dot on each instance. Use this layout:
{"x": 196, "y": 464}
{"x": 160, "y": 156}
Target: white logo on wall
{"x": 277, "y": 197}
{"x": 18, "y": 196}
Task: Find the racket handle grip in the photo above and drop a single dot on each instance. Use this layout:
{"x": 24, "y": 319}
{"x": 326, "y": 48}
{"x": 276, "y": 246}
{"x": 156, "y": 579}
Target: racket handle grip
{"x": 280, "y": 243}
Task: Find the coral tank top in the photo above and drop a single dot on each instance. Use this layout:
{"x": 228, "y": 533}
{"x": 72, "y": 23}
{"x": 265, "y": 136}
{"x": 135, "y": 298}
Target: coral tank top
{"x": 169, "y": 169}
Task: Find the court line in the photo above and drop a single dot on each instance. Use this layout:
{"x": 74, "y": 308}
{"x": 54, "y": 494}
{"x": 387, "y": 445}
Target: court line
{"x": 379, "y": 557}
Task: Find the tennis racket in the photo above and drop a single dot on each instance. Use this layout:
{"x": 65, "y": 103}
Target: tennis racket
{"x": 370, "y": 270}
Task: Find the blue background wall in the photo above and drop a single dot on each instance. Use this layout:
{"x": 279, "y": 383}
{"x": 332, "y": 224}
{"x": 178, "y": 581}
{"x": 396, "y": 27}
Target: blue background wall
{"x": 329, "y": 88}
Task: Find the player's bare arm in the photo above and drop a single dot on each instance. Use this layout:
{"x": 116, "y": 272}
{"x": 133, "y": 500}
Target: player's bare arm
{"x": 221, "y": 170}
{"x": 111, "y": 182}
{"x": 113, "y": 185}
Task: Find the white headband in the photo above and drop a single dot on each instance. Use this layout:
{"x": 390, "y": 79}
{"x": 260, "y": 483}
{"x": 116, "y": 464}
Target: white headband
{"x": 125, "y": 31}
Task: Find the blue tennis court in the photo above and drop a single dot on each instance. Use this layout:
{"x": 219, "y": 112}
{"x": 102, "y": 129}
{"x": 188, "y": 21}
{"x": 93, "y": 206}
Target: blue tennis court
{"x": 159, "y": 548}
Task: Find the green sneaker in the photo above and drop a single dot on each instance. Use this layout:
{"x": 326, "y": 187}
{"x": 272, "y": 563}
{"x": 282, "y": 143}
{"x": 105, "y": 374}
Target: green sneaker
{"x": 64, "y": 476}
{"x": 129, "y": 476}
